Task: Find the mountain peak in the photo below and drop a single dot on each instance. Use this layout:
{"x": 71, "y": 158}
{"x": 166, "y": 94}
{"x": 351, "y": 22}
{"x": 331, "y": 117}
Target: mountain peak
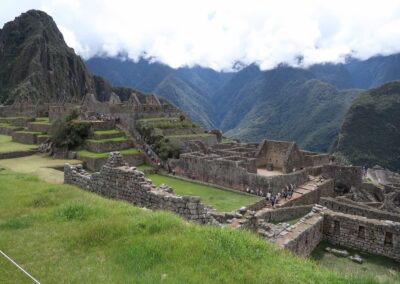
{"x": 37, "y": 65}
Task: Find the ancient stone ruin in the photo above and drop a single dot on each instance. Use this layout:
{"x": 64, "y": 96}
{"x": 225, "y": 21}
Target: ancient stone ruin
{"x": 117, "y": 180}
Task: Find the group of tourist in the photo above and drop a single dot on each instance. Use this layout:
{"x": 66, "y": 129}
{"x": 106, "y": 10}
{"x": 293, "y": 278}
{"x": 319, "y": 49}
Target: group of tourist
{"x": 96, "y": 116}
{"x": 286, "y": 193}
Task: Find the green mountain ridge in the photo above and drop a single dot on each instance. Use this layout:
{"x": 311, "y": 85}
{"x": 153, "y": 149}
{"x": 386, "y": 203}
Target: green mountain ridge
{"x": 302, "y": 109}
{"x": 370, "y": 133}
{"x": 183, "y": 96}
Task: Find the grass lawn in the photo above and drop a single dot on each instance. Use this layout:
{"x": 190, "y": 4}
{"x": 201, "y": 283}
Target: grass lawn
{"x": 159, "y": 119}
{"x": 7, "y": 125}
{"x": 116, "y": 139}
{"x": 112, "y": 131}
{"x": 29, "y": 132}
{"x": 144, "y": 167}
{"x": 374, "y": 266}
{"x": 41, "y": 122}
{"x": 7, "y": 145}
{"x": 39, "y": 165}
{"x": 222, "y": 200}
{"x": 44, "y": 119}
{"x": 62, "y": 234}
{"x": 87, "y": 153}
{"x": 190, "y": 135}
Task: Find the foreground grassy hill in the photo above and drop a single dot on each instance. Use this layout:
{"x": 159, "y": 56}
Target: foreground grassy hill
{"x": 62, "y": 234}
{"x": 370, "y": 133}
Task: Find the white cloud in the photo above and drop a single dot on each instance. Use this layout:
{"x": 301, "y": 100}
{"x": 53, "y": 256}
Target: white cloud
{"x": 218, "y": 33}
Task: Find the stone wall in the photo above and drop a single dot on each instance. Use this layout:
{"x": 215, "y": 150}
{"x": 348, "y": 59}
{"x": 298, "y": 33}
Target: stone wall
{"x": 24, "y": 137}
{"x": 9, "y": 130}
{"x": 99, "y": 124}
{"x": 16, "y": 154}
{"x": 313, "y": 160}
{"x": 59, "y": 111}
{"x": 232, "y": 174}
{"x": 346, "y": 176}
{"x": 39, "y": 127}
{"x": 207, "y": 139}
{"x": 354, "y": 209}
{"x": 369, "y": 235}
{"x": 122, "y": 182}
{"x": 95, "y": 164}
{"x": 126, "y": 109}
{"x": 356, "y": 232}
{"x": 325, "y": 189}
{"x": 284, "y": 214}
{"x": 276, "y": 153}
{"x": 43, "y": 139}
{"x": 20, "y": 121}
{"x": 24, "y": 109}
{"x": 101, "y": 147}
{"x": 304, "y": 236}
{"x": 182, "y": 131}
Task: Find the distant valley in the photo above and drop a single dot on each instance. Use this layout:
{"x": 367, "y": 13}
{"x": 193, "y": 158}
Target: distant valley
{"x": 305, "y": 105}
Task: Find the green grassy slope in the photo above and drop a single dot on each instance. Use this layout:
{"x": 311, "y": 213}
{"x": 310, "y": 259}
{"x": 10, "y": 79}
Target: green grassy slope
{"x": 370, "y": 133}
{"x": 62, "y": 234}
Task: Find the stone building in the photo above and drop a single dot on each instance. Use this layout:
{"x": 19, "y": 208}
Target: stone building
{"x": 267, "y": 166}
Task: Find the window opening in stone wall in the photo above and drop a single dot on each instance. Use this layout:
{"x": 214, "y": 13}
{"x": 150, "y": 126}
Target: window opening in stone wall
{"x": 361, "y": 232}
{"x": 336, "y": 227}
{"x": 388, "y": 239}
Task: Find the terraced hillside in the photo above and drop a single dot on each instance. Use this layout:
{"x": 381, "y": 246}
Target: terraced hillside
{"x": 106, "y": 138}
{"x": 170, "y": 135}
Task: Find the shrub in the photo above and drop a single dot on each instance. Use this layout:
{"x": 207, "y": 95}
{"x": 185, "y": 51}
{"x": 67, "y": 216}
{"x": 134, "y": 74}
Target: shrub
{"x": 65, "y": 132}
{"x": 166, "y": 149}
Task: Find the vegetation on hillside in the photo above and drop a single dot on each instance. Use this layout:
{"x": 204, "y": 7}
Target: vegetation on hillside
{"x": 291, "y": 105}
{"x": 80, "y": 237}
{"x": 164, "y": 147}
{"x": 370, "y": 134}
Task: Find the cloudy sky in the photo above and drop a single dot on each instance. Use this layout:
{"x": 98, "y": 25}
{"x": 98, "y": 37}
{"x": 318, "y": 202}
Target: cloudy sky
{"x": 218, "y": 33}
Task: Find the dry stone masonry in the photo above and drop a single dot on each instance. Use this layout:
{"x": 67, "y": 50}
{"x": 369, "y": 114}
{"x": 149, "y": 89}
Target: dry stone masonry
{"x": 116, "y": 180}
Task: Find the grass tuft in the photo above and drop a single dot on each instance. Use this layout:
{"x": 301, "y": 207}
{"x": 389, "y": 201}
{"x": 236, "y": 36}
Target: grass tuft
{"x": 17, "y": 223}
{"x": 75, "y": 210}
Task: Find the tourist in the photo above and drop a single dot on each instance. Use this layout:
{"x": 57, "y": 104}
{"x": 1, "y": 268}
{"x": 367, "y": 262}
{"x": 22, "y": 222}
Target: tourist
{"x": 268, "y": 195}
{"x": 284, "y": 194}
{"x": 273, "y": 201}
{"x": 291, "y": 190}
{"x": 247, "y": 189}
{"x": 278, "y": 196}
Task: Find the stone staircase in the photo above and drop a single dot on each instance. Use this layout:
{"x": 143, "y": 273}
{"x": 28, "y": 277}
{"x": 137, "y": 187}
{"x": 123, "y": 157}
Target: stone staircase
{"x": 247, "y": 217}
